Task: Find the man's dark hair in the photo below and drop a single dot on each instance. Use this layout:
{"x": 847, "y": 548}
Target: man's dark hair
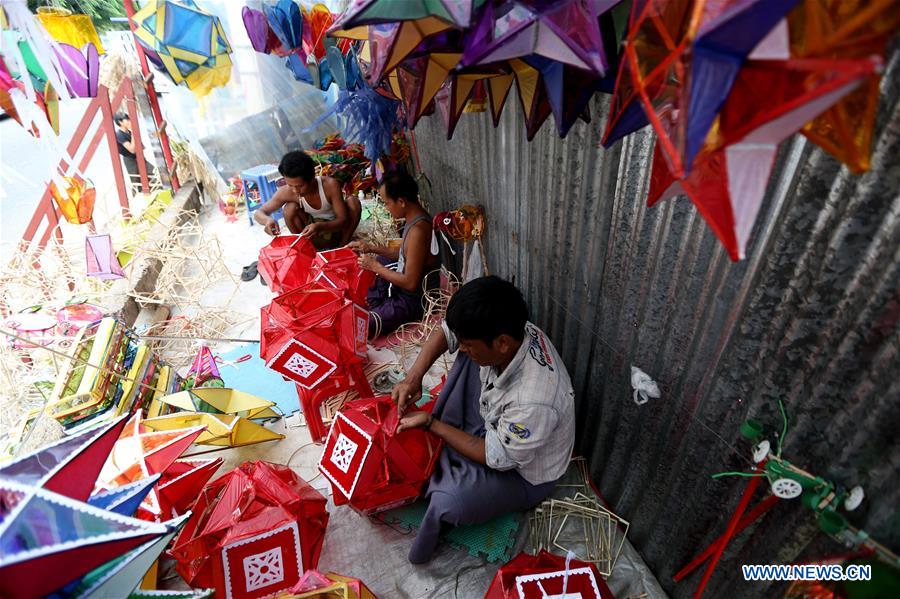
{"x": 297, "y": 164}
{"x": 485, "y": 308}
{"x": 121, "y": 116}
{"x": 400, "y": 184}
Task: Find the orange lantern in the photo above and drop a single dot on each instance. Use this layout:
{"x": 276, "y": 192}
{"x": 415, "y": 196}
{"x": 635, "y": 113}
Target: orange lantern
{"x": 76, "y": 202}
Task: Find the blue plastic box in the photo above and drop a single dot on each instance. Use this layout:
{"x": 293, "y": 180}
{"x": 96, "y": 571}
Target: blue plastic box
{"x": 260, "y": 184}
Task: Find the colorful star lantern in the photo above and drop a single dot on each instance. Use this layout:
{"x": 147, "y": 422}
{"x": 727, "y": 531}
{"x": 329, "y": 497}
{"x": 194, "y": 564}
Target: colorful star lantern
{"x": 185, "y": 42}
{"x": 680, "y": 60}
{"x": 391, "y": 43}
{"x": 566, "y": 31}
{"x": 43, "y": 106}
{"x": 52, "y": 540}
{"x": 76, "y": 202}
{"x": 285, "y": 263}
{"x": 369, "y": 464}
{"x": 69, "y": 466}
{"x": 420, "y": 79}
{"x": 48, "y": 540}
{"x": 141, "y": 453}
{"x": 27, "y": 47}
{"x": 124, "y": 500}
{"x": 458, "y": 13}
{"x": 315, "y": 585}
{"x": 316, "y": 337}
{"x": 842, "y": 29}
{"x": 253, "y": 533}
{"x": 721, "y": 88}
{"x": 546, "y": 575}
{"x": 771, "y": 99}
{"x": 120, "y": 576}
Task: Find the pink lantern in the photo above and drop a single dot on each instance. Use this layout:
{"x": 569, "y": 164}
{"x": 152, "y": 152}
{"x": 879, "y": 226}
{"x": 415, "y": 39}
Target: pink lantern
{"x": 101, "y": 259}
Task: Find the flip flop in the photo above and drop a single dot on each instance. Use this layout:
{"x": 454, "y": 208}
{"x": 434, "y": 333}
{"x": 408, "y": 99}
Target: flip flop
{"x": 249, "y": 273}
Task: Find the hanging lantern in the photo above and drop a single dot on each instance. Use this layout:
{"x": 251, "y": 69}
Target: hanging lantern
{"x": 67, "y": 28}
{"x": 101, "y": 259}
{"x": 185, "y": 42}
{"x": 81, "y": 69}
{"x": 76, "y": 201}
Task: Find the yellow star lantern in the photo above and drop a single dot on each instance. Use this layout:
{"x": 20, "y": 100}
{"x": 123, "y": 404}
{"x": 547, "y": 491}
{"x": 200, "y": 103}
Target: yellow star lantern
{"x": 185, "y": 42}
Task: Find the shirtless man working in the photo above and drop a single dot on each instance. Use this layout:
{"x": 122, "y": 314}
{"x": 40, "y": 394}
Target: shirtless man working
{"x": 313, "y": 206}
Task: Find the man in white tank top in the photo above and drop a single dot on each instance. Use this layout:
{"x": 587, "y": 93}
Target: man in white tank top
{"x": 313, "y": 206}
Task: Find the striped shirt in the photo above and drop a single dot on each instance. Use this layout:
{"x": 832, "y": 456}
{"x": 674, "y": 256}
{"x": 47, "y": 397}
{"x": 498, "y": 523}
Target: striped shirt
{"x": 528, "y": 410}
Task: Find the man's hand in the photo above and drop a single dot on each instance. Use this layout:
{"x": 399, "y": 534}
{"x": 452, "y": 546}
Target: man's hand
{"x": 407, "y": 392}
{"x": 413, "y": 420}
{"x": 272, "y": 228}
{"x": 310, "y": 230}
{"x": 368, "y": 262}
{"x": 360, "y": 247}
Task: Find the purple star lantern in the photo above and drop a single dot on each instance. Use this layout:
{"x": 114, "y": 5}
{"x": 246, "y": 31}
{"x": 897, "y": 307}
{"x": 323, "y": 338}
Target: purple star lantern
{"x": 566, "y": 31}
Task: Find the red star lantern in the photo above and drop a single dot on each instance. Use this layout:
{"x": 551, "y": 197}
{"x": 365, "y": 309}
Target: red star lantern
{"x": 770, "y": 100}
{"x": 370, "y": 465}
{"x": 141, "y": 453}
{"x": 316, "y": 337}
{"x": 547, "y": 575}
{"x": 284, "y": 264}
{"x": 182, "y": 482}
{"x": 254, "y": 531}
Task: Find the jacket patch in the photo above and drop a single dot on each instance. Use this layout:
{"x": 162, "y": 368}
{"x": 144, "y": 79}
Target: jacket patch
{"x": 538, "y": 350}
{"x": 519, "y": 430}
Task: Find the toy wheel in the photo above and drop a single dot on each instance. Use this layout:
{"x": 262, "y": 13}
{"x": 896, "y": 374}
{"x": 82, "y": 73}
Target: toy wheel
{"x": 854, "y": 499}
{"x": 761, "y": 451}
{"x": 786, "y": 488}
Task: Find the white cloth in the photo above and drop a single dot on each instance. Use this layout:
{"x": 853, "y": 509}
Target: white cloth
{"x": 325, "y": 211}
{"x": 528, "y": 410}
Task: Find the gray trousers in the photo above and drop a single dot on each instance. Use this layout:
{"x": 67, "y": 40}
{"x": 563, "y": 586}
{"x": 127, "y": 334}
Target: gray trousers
{"x": 462, "y": 491}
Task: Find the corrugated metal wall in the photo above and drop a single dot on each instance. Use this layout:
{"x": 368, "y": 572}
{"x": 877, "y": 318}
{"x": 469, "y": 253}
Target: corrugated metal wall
{"x": 811, "y": 316}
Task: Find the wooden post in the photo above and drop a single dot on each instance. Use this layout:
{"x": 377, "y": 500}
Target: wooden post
{"x": 154, "y": 100}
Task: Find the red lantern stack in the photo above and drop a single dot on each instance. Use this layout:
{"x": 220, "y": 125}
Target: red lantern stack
{"x": 316, "y": 337}
{"x": 370, "y": 465}
{"x": 254, "y": 531}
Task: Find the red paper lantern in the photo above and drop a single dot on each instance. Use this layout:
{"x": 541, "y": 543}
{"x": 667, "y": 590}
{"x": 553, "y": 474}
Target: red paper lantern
{"x": 285, "y": 263}
{"x": 254, "y": 531}
{"x": 340, "y": 269}
{"x": 547, "y": 575}
{"x": 370, "y": 465}
{"x": 316, "y": 337}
